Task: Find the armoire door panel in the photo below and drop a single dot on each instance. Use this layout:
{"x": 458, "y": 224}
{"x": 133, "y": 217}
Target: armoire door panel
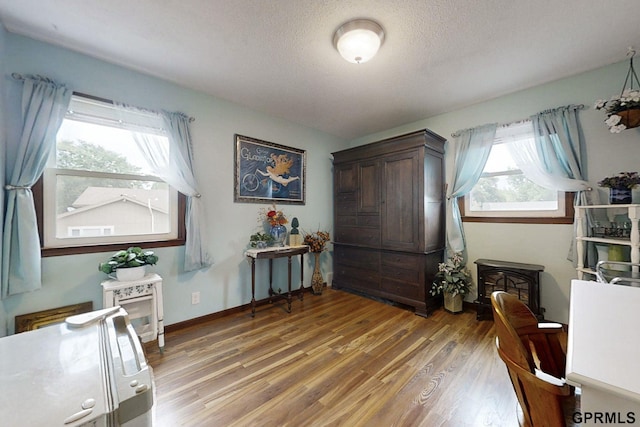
{"x": 346, "y": 178}
{"x": 369, "y": 178}
{"x": 400, "y": 202}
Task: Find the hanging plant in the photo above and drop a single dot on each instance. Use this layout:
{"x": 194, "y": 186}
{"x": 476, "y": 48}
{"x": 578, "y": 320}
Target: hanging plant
{"x": 623, "y": 111}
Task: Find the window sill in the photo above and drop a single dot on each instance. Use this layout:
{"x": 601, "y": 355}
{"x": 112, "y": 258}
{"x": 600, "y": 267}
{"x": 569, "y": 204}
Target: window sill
{"x": 75, "y": 250}
{"x": 566, "y": 219}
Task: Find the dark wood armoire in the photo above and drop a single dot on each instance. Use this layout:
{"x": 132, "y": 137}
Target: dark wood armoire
{"x": 389, "y": 218}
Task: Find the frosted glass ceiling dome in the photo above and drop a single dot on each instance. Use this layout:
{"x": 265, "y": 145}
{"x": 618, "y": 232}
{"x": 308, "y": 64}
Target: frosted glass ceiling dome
{"x": 359, "y": 40}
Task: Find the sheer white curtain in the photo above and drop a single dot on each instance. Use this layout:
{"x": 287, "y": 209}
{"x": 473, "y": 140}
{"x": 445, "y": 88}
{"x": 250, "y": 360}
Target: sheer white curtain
{"x": 553, "y": 158}
{"x": 174, "y": 164}
{"x": 538, "y": 160}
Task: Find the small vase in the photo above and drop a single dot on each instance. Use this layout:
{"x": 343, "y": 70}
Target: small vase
{"x": 317, "y": 282}
{"x": 453, "y": 304}
{"x": 619, "y": 196}
{"x": 279, "y": 234}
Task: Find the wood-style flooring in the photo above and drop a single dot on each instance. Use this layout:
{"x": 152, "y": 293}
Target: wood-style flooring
{"x": 337, "y": 359}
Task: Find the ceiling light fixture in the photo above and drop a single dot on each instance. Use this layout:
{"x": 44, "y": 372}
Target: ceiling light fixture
{"x": 359, "y": 40}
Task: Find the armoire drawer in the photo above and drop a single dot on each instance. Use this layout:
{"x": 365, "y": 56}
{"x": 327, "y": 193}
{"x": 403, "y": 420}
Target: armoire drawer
{"x": 354, "y": 277}
{"x": 404, "y": 261}
{"x": 395, "y": 273}
{"x": 358, "y": 236}
{"x": 357, "y": 257}
{"x": 413, "y": 291}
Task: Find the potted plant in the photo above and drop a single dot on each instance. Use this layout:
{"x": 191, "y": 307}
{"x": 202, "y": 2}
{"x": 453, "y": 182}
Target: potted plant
{"x": 260, "y": 240}
{"x": 620, "y": 186}
{"x": 623, "y": 111}
{"x": 129, "y": 264}
{"x": 454, "y": 281}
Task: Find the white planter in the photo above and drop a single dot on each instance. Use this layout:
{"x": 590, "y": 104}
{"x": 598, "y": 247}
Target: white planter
{"x": 131, "y": 273}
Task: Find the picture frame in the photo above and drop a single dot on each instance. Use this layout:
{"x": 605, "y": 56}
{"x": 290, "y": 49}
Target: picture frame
{"x": 268, "y": 172}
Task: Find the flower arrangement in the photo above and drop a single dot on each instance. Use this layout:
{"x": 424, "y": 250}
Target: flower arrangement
{"x": 273, "y": 216}
{"x": 452, "y": 277}
{"x": 316, "y": 240}
{"x": 623, "y": 180}
{"x": 628, "y": 99}
{"x": 131, "y": 257}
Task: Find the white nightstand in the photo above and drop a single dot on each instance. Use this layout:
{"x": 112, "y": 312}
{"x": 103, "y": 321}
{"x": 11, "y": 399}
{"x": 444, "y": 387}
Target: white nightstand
{"x": 142, "y": 299}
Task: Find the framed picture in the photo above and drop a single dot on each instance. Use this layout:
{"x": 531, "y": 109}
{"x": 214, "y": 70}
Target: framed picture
{"x": 268, "y": 172}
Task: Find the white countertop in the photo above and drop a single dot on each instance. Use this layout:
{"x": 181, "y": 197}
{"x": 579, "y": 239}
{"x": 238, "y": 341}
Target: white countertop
{"x": 604, "y": 338}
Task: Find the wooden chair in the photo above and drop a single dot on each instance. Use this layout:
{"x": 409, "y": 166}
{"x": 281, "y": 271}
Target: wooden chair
{"x": 535, "y": 356}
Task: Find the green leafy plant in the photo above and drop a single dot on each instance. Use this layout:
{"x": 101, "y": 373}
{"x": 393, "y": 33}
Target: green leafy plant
{"x": 452, "y": 277}
{"x": 622, "y": 180}
{"x": 131, "y": 257}
{"x": 254, "y": 239}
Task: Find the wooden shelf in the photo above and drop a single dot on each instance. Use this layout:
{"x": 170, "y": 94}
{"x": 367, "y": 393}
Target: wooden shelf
{"x": 582, "y": 234}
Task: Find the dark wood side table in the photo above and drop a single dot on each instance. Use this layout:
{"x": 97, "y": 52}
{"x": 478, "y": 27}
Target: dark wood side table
{"x": 519, "y": 279}
{"x": 271, "y": 253}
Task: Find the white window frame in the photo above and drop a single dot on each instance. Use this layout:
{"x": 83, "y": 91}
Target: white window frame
{"x": 504, "y": 136}
{"x": 49, "y": 212}
{"x": 103, "y": 113}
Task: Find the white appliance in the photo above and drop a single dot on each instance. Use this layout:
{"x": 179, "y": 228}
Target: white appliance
{"x": 88, "y": 371}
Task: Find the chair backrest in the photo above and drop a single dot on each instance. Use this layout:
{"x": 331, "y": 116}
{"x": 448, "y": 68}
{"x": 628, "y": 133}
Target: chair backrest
{"x": 541, "y": 402}
{"x": 510, "y": 314}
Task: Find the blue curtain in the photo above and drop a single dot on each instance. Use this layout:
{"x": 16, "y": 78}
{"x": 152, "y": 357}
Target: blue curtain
{"x": 44, "y": 103}
{"x": 561, "y": 152}
{"x": 559, "y": 141}
{"x": 182, "y": 177}
{"x": 470, "y": 152}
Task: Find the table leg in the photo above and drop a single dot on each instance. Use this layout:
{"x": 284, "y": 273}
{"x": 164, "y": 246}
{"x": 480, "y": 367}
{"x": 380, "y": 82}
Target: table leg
{"x": 289, "y": 283}
{"x": 160, "y": 314}
{"x": 270, "y": 279}
{"x": 301, "y": 295}
{"x": 253, "y": 287}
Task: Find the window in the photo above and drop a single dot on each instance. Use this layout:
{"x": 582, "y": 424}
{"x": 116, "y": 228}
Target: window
{"x": 504, "y": 194}
{"x": 97, "y": 188}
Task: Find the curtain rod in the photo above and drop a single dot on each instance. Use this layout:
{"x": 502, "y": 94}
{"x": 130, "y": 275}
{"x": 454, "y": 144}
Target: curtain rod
{"x": 18, "y": 76}
{"x": 458, "y": 133}
{"x": 110, "y": 101}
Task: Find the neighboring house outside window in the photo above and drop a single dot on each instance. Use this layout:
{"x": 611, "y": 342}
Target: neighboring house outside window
{"x": 504, "y": 194}
{"x": 98, "y": 188}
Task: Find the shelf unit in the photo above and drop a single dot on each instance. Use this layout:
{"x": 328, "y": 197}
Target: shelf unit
{"x": 583, "y": 234}
{"x": 142, "y": 299}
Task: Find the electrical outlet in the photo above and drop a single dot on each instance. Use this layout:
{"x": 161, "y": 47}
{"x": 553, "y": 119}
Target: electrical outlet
{"x": 195, "y": 298}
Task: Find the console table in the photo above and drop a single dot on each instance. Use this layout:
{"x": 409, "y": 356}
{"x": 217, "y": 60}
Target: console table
{"x": 271, "y": 253}
{"x": 142, "y": 299}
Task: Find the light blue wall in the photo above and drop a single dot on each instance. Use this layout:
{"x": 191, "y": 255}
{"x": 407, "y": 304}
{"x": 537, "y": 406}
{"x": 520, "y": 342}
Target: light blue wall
{"x": 73, "y": 279}
{"x": 3, "y": 71}
{"x": 606, "y": 154}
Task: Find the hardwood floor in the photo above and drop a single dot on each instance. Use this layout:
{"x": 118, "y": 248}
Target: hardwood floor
{"x": 336, "y": 360}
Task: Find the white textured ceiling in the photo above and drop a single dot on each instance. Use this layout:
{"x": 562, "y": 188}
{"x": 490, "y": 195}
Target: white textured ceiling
{"x": 277, "y": 56}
